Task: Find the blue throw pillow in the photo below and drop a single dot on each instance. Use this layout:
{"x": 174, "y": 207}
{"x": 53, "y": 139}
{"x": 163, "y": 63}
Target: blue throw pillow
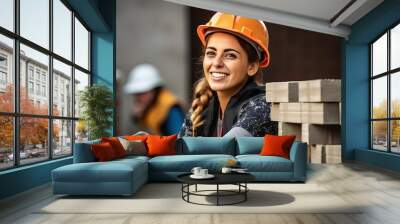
{"x": 249, "y": 145}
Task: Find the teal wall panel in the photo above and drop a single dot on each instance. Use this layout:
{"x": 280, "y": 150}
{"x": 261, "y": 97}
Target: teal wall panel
{"x": 104, "y": 52}
{"x": 356, "y": 99}
{"x": 24, "y": 178}
{"x": 377, "y": 158}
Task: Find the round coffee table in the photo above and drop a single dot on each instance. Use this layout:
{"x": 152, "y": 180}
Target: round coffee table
{"x": 238, "y": 179}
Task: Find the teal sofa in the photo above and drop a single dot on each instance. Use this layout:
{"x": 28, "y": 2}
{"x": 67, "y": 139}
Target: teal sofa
{"x": 125, "y": 176}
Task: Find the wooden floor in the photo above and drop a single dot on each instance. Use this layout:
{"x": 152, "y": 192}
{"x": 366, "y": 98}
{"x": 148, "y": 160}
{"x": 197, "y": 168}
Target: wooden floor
{"x": 377, "y": 188}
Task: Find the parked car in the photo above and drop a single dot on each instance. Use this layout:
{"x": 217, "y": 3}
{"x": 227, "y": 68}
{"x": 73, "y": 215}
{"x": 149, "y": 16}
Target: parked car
{"x": 22, "y": 155}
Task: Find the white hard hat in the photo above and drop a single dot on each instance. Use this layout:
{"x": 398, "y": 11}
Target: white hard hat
{"x": 143, "y": 78}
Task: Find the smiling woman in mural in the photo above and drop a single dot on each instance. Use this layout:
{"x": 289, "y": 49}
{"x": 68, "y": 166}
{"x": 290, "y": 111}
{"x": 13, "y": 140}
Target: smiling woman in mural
{"x": 227, "y": 100}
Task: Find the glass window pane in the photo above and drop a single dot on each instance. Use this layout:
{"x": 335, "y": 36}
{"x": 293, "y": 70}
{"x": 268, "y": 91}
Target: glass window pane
{"x": 62, "y": 89}
{"x": 62, "y": 138}
{"x": 395, "y": 136}
{"x": 6, "y": 142}
{"x": 34, "y": 80}
{"x": 62, "y": 29}
{"x": 33, "y": 140}
{"x": 6, "y": 74}
{"x": 379, "y": 55}
{"x": 7, "y": 14}
{"x": 395, "y": 47}
{"x": 379, "y": 97}
{"x": 81, "y": 45}
{"x": 379, "y": 135}
{"x": 81, "y": 131}
{"x": 395, "y": 95}
{"x": 81, "y": 81}
{"x": 35, "y": 21}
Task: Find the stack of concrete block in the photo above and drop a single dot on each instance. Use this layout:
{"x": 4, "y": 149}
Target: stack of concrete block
{"x": 311, "y": 111}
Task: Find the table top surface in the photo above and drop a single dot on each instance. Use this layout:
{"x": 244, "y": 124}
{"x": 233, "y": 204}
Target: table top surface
{"x": 220, "y": 178}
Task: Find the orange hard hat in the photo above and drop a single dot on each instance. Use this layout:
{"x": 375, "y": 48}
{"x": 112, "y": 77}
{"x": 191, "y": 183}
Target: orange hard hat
{"x": 251, "y": 30}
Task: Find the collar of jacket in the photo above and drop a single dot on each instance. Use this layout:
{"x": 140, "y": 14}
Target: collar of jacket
{"x": 210, "y": 113}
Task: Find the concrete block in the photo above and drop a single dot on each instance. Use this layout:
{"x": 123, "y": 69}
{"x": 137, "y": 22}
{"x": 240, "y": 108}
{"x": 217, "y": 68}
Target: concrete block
{"x": 316, "y": 154}
{"x": 320, "y": 134}
{"x": 285, "y": 128}
{"x": 275, "y": 114}
{"x": 320, "y": 113}
{"x": 290, "y": 112}
{"x": 330, "y": 154}
{"x": 282, "y": 92}
{"x": 321, "y": 90}
{"x": 333, "y": 154}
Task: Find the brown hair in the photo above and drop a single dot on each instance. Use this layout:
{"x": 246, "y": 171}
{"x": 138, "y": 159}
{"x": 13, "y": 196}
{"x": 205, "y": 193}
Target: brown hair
{"x": 203, "y": 93}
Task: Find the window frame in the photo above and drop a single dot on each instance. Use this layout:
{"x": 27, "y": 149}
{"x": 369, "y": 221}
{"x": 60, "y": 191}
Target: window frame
{"x": 16, "y": 115}
{"x": 388, "y": 74}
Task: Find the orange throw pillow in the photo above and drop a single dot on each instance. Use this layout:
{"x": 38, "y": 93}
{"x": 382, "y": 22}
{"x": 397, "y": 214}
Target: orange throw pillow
{"x": 277, "y": 145}
{"x": 103, "y": 151}
{"x": 136, "y": 137}
{"x": 116, "y": 145}
{"x": 161, "y": 145}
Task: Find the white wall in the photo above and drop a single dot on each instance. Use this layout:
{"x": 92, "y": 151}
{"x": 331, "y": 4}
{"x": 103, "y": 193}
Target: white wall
{"x": 156, "y": 32}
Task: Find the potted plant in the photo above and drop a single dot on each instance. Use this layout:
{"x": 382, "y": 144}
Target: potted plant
{"x": 97, "y": 103}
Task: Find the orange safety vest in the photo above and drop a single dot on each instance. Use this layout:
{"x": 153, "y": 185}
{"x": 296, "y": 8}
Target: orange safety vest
{"x": 158, "y": 113}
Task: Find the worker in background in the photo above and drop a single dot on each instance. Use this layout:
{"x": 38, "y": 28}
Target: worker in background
{"x": 155, "y": 109}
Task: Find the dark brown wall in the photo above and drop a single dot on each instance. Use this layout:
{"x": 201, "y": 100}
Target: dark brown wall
{"x": 295, "y": 54}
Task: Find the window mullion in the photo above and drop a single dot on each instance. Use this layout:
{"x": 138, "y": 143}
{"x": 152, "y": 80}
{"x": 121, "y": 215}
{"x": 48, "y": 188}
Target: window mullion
{"x": 73, "y": 82}
{"x": 50, "y": 81}
{"x": 16, "y": 84}
{"x": 371, "y": 89}
{"x": 389, "y": 102}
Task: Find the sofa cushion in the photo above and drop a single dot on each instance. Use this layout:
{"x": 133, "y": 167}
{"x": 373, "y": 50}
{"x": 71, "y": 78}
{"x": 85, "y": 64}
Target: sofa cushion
{"x": 185, "y": 163}
{"x": 83, "y": 152}
{"x": 116, "y": 145}
{"x": 257, "y": 163}
{"x": 249, "y": 145}
{"x": 134, "y": 147}
{"x": 111, "y": 171}
{"x": 161, "y": 145}
{"x": 277, "y": 145}
{"x": 103, "y": 152}
{"x": 132, "y": 159}
{"x": 206, "y": 145}
{"x": 135, "y": 137}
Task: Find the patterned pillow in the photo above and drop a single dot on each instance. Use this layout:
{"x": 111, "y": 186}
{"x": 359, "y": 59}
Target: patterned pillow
{"x": 134, "y": 147}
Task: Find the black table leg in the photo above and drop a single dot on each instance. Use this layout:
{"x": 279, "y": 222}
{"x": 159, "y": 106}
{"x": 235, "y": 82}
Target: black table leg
{"x": 245, "y": 193}
{"x": 217, "y": 194}
{"x": 196, "y": 188}
{"x": 188, "y": 189}
{"x": 182, "y": 190}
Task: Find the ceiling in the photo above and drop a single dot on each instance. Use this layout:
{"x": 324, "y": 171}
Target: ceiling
{"x": 333, "y": 17}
